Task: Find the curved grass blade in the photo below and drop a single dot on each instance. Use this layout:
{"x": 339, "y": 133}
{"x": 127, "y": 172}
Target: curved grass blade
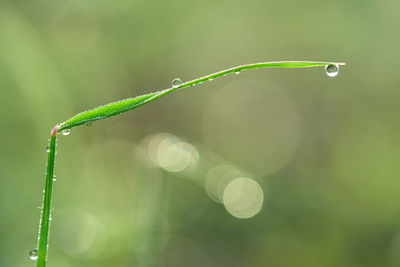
{"x": 102, "y": 112}
{"x": 118, "y": 107}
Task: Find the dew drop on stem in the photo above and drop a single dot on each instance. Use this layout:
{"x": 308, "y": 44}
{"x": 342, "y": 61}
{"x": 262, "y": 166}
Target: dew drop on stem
{"x": 66, "y": 132}
{"x": 33, "y": 254}
{"x": 332, "y": 70}
{"x": 176, "y": 82}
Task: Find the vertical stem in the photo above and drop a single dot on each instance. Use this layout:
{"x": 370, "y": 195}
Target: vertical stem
{"x": 44, "y": 225}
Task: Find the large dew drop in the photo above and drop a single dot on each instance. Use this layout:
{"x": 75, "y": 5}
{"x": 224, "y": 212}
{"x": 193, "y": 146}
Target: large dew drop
{"x": 176, "y": 82}
{"x": 332, "y": 70}
{"x": 33, "y": 254}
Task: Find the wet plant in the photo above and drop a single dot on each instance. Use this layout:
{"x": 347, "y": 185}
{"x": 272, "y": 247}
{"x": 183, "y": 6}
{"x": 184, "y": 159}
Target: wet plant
{"x": 39, "y": 254}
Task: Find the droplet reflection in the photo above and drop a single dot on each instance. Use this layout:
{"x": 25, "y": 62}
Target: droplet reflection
{"x": 176, "y": 82}
{"x": 66, "y": 132}
{"x": 332, "y": 70}
{"x": 33, "y": 254}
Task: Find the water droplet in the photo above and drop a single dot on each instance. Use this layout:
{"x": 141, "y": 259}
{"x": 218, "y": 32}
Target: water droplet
{"x": 33, "y": 255}
{"x": 54, "y": 179}
{"x": 211, "y": 79}
{"x": 176, "y": 82}
{"x": 237, "y": 72}
{"x": 47, "y": 149}
{"x": 66, "y": 132}
{"x": 332, "y": 70}
{"x": 88, "y": 123}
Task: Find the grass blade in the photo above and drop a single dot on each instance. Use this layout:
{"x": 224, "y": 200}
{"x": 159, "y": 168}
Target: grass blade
{"x": 112, "y": 109}
{"x": 44, "y": 225}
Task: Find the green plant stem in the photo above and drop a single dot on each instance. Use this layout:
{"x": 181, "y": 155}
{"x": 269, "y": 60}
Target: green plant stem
{"x": 44, "y": 225}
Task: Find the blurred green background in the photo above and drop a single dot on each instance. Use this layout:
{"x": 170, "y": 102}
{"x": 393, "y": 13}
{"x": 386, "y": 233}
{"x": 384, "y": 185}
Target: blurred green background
{"x": 267, "y": 168}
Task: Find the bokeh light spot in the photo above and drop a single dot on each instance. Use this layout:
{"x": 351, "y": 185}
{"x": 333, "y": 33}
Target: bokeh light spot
{"x": 243, "y": 198}
{"x": 172, "y": 154}
{"x": 82, "y": 235}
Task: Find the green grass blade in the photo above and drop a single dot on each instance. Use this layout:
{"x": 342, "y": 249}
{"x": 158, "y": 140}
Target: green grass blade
{"x": 112, "y": 109}
{"x": 44, "y": 225}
